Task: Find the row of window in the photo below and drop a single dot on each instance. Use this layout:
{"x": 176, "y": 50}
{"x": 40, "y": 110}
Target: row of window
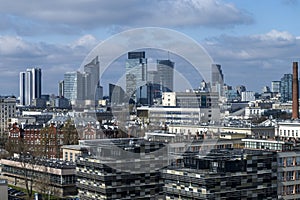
{"x": 289, "y": 161}
{"x": 288, "y": 133}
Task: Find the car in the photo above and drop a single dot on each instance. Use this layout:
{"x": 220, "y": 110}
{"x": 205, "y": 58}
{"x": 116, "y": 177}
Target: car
{"x": 13, "y": 191}
{"x": 19, "y": 193}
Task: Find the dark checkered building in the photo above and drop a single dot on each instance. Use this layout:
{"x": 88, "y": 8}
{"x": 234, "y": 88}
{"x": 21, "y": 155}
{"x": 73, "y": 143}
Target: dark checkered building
{"x": 223, "y": 174}
{"x": 121, "y": 169}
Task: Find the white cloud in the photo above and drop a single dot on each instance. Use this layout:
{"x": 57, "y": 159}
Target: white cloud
{"x": 275, "y": 35}
{"x": 264, "y": 57}
{"x": 87, "y": 41}
{"x": 10, "y": 45}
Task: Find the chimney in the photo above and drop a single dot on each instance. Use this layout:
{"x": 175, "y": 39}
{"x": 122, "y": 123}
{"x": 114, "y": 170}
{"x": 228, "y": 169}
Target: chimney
{"x": 295, "y": 114}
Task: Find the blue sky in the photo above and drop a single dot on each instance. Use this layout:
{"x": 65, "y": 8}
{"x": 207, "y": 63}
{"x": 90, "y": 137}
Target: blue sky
{"x": 254, "y": 41}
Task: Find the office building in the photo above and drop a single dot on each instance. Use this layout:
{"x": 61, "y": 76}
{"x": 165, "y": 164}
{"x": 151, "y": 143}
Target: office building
{"x": 275, "y": 86}
{"x": 61, "y": 88}
{"x": 73, "y": 86}
{"x": 178, "y": 115}
{"x": 286, "y": 87}
{"x": 248, "y": 96}
{"x": 56, "y": 177}
{"x": 91, "y": 75}
{"x": 116, "y": 94}
{"x": 136, "y": 72}
{"x": 223, "y": 174}
{"x": 217, "y": 79}
{"x": 30, "y": 86}
{"x": 78, "y": 86}
{"x": 165, "y": 70}
{"x": 7, "y": 111}
{"x": 190, "y": 99}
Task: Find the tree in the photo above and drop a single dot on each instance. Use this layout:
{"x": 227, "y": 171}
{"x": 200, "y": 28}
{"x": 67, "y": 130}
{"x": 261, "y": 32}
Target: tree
{"x": 70, "y": 135}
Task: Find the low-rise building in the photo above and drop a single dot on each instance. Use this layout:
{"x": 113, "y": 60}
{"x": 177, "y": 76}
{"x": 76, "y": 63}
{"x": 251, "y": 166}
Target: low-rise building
{"x": 72, "y": 152}
{"x": 46, "y": 175}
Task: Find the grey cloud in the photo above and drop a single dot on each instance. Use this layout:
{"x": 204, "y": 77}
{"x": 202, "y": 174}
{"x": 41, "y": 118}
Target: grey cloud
{"x": 71, "y": 15}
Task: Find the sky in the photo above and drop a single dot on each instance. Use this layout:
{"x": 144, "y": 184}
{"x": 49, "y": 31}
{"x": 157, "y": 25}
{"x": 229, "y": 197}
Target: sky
{"x": 254, "y": 41}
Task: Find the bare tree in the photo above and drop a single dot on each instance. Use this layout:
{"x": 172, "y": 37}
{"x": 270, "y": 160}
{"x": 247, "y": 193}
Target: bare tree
{"x": 70, "y": 133}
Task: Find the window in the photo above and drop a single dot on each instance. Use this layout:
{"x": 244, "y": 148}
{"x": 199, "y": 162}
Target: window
{"x": 297, "y": 160}
{"x": 71, "y": 156}
{"x": 66, "y": 155}
{"x": 289, "y": 161}
{"x": 289, "y": 175}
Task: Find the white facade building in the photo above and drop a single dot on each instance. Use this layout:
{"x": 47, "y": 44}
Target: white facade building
{"x": 288, "y": 129}
{"x": 248, "y": 96}
{"x": 7, "y": 111}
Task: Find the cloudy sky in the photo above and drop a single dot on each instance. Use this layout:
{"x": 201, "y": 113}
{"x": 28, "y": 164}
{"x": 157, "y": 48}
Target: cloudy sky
{"x": 254, "y": 41}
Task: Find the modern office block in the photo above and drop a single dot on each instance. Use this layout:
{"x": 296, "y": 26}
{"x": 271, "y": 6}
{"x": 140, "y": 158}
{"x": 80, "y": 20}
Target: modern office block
{"x": 136, "y": 72}
{"x": 73, "y": 86}
{"x": 286, "y": 87}
{"x": 165, "y": 70}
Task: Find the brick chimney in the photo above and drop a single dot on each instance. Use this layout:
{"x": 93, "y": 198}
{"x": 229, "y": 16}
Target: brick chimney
{"x": 295, "y": 114}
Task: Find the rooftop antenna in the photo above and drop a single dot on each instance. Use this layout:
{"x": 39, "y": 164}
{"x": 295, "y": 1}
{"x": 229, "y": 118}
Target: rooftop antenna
{"x": 168, "y": 55}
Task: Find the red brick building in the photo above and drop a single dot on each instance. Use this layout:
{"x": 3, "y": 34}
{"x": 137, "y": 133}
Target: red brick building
{"x": 36, "y": 139}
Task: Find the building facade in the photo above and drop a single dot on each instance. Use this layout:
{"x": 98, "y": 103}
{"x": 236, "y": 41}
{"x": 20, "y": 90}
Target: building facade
{"x": 7, "y": 112}
{"x": 53, "y": 177}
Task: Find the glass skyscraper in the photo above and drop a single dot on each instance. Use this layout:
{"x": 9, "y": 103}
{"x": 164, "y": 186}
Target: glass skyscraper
{"x": 30, "y": 86}
{"x": 73, "y": 86}
{"x": 136, "y": 72}
{"x": 165, "y": 69}
{"x": 286, "y": 87}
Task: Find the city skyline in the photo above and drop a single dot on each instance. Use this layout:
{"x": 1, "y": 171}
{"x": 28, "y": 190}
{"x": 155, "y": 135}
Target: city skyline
{"x": 244, "y": 37}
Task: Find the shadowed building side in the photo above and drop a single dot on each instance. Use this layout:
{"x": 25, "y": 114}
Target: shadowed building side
{"x": 295, "y": 114}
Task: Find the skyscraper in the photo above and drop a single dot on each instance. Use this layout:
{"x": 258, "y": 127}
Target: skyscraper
{"x": 73, "y": 86}
{"x": 136, "y": 71}
{"x": 286, "y": 87}
{"x": 91, "y": 71}
{"x": 275, "y": 86}
{"x": 217, "y": 79}
{"x": 61, "y": 88}
{"x": 83, "y": 86}
{"x": 30, "y": 86}
{"x": 165, "y": 69}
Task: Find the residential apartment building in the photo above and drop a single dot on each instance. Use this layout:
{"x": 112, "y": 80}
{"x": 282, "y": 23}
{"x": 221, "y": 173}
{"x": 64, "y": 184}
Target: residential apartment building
{"x": 121, "y": 169}
{"x": 223, "y": 174}
{"x": 7, "y": 112}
